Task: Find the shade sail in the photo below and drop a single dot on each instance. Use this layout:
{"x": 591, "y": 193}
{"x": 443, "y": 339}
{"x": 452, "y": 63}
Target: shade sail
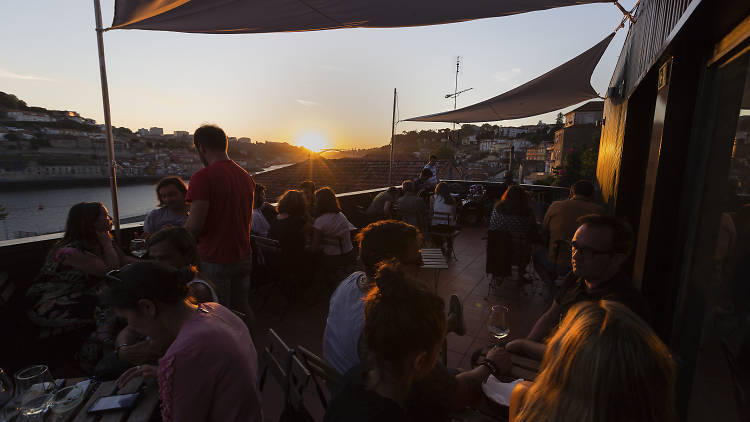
{"x": 253, "y": 16}
{"x": 565, "y": 85}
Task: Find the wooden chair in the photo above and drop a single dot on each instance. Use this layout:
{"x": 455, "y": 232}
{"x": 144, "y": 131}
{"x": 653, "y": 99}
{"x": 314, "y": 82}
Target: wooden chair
{"x": 444, "y": 218}
{"x": 325, "y": 377}
{"x": 287, "y": 369}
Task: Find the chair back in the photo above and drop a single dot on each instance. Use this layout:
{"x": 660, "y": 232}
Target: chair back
{"x": 441, "y": 218}
{"x": 266, "y": 244}
{"x": 325, "y": 377}
{"x": 286, "y": 368}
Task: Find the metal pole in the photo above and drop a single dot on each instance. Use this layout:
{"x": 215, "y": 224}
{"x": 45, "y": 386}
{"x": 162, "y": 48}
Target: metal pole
{"x": 393, "y": 132}
{"x": 107, "y": 120}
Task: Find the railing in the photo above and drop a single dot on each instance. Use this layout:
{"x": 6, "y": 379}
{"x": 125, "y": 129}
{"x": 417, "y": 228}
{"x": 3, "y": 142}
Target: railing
{"x": 20, "y": 259}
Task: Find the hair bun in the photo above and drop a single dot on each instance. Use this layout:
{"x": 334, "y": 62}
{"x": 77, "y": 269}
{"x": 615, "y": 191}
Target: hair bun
{"x": 184, "y": 275}
{"x": 392, "y": 281}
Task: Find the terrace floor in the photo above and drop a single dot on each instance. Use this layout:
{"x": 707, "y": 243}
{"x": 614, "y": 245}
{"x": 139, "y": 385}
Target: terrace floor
{"x": 304, "y": 325}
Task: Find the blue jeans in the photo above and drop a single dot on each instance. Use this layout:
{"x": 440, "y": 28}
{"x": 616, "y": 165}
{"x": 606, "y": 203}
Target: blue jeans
{"x": 232, "y": 283}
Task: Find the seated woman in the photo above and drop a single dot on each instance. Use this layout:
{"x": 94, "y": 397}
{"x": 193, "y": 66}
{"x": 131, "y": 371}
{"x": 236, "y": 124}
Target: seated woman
{"x": 62, "y": 299}
{"x": 174, "y": 246}
{"x": 172, "y": 211}
{"x": 514, "y": 216}
{"x": 290, "y": 228}
{"x": 209, "y": 370}
{"x": 403, "y": 342}
{"x": 443, "y": 215}
{"x": 604, "y": 363}
{"x": 332, "y": 236}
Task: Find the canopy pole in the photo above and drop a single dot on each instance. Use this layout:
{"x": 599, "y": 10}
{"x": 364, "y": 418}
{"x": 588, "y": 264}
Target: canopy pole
{"x": 624, "y": 12}
{"x": 393, "y": 132}
{"x": 107, "y": 120}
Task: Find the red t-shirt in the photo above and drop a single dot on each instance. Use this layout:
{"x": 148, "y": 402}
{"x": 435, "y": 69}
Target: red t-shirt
{"x": 229, "y": 190}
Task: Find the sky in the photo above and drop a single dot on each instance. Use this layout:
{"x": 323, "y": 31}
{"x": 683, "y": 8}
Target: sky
{"x": 323, "y": 89}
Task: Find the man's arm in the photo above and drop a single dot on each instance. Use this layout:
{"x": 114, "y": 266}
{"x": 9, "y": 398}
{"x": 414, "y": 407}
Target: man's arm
{"x": 469, "y": 383}
{"x": 545, "y": 323}
{"x": 532, "y": 346}
{"x": 197, "y": 217}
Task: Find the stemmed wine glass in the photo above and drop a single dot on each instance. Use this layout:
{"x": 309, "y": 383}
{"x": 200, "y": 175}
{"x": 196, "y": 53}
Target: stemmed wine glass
{"x": 6, "y": 391}
{"x": 33, "y": 390}
{"x": 497, "y": 323}
{"x": 138, "y": 247}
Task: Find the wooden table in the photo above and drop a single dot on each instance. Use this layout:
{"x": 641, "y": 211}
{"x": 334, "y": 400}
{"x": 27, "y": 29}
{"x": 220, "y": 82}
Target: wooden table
{"x": 433, "y": 259}
{"x": 145, "y": 406}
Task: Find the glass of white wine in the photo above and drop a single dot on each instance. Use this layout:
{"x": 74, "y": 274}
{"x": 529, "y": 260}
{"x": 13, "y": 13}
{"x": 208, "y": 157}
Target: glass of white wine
{"x": 138, "y": 247}
{"x": 497, "y": 323}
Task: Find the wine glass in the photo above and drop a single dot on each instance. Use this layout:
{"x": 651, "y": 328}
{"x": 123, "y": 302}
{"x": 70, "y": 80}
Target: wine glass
{"x": 497, "y": 323}
{"x": 6, "y": 388}
{"x": 34, "y": 388}
{"x": 138, "y": 247}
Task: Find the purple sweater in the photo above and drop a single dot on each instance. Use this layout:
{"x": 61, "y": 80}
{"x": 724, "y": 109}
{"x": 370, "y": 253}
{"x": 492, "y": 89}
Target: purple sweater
{"x": 210, "y": 372}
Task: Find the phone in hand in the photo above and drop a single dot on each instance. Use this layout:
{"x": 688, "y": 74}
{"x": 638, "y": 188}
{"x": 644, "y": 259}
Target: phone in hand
{"x": 117, "y": 402}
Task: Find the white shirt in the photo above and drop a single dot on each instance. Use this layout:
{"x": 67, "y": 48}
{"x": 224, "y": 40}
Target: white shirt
{"x": 439, "y": 205}
{"x": 336, "y": 230}
{"x": 259, "y": 225}
{"x": 434, "y": 179}
{"x": 346, "y": 320}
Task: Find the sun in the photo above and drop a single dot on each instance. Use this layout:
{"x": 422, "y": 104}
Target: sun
{"x": 313, "y": 141}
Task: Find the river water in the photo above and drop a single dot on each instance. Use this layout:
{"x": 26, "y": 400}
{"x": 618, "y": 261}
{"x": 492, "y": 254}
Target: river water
{"x": 41, "y": 211}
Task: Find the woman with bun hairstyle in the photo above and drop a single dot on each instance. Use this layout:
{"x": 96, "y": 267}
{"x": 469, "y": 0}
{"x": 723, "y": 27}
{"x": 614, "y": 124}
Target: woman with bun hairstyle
{"x": 604, "y": 364}
{"x": 210, "y": 359}
{"x": 403, "y": 343}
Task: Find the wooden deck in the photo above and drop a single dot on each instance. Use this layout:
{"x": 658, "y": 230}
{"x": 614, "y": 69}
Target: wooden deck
{"x": 304, "y": 325}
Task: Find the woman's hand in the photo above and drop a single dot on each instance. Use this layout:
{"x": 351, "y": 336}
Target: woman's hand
{"x": 145, "y": 371}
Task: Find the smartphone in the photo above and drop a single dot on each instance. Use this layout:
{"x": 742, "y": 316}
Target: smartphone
{"x": 118, "y": 402}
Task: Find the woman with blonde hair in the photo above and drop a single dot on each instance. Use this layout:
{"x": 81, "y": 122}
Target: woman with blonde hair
{"x": 604, "y": 363}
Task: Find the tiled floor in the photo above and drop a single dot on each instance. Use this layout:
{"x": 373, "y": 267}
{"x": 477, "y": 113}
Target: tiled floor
{"x": 304, "y": 325}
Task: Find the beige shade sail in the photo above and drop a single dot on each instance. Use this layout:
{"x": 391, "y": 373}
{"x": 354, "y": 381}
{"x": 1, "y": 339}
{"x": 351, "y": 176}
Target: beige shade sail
{"x": 256, "y": 16}
{"x": 565, "y": 85}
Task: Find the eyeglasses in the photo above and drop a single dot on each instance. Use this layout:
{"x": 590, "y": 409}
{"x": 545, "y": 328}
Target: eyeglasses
{"x": 588, "y": 251}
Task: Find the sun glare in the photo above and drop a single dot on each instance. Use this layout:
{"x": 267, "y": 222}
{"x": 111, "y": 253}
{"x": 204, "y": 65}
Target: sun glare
{"x": 313, "y": 141}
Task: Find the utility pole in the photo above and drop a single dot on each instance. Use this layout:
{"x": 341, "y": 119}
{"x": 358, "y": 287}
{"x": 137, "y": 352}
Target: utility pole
{"x": 456, "y": 92}
{"x": 393, "y": 132}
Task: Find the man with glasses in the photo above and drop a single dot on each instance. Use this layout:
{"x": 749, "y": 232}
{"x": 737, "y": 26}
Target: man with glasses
{"x": 600, "y": 248}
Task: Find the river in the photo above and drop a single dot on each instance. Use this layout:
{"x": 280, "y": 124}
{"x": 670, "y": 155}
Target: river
{"x": 42, "y": 211}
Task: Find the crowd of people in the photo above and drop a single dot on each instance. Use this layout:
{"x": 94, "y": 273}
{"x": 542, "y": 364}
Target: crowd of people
{"x": 182, "y": 315}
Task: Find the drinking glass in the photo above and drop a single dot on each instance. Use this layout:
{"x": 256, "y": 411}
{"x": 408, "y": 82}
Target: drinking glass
{"x": 6, "y": 388}
{"x": 497, "y": 324}
{"x": 138, "y": 247}
{"x": 34, "y": 386}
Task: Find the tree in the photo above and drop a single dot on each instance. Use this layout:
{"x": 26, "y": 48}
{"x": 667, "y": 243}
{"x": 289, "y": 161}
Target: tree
{"x": 443, "y": 152}
{"x": 560, "y": 120}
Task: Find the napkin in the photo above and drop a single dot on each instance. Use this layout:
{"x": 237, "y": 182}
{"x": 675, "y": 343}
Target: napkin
{"x": 499, "y": 391}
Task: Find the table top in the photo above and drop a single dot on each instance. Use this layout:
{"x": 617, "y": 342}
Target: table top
{"x": 433, "y": 258}
{"x": 145, "y": 406}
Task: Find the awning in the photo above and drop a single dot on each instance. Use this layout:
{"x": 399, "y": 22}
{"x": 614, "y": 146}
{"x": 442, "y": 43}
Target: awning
{"x": 565, "y": 85}
{"x": 251, "y": 16}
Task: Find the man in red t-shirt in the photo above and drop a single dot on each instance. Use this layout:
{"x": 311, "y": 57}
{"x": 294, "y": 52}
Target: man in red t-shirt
{"x": 221, "y": 205}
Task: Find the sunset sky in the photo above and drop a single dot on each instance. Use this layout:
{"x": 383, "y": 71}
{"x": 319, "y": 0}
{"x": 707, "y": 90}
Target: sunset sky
{"x": 331, "y": 88}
